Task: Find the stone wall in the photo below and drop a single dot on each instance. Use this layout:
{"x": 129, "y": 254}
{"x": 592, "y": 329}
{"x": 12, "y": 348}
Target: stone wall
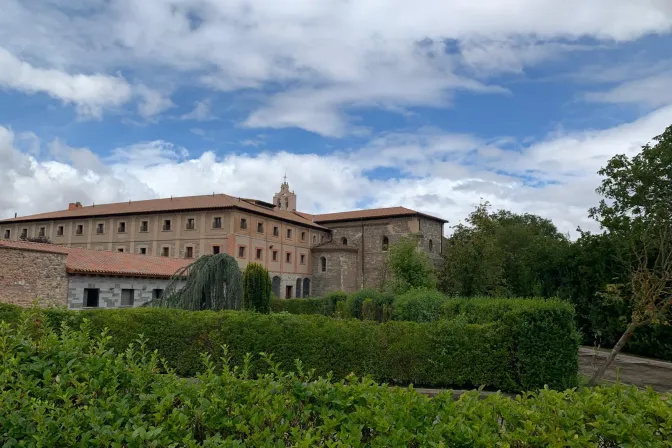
{"x": 291, "y": 280}
{"x": 109, "y": 295}
{"x": 341, "y": 270}
{"x": 432, "y": 230}
{"x": 27, "y": 275}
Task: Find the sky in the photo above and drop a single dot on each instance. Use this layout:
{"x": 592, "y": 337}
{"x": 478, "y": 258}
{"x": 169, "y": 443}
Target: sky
{"x": 432, "y": 105}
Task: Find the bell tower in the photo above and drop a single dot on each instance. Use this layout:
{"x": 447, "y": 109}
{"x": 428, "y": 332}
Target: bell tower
{"x": 285, "y": 199}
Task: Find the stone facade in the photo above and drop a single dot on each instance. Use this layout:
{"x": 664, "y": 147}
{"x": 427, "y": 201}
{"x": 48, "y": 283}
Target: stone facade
{"x": 110, "y": 290}
{"x": 301, "y": 285}
{"x": 26, "y": 276}
{"x": 335, "y": 268}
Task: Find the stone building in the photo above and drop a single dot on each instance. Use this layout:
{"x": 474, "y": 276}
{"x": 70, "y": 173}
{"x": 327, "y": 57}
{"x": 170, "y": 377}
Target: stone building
{"x": 80, "y": 278}
{"x": 305, "y": 254}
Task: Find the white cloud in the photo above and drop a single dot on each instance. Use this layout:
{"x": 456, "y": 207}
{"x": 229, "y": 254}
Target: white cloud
{"x": 153, "y": 102}
{"x": 442, "y": 174}
{"x": 90, "y": 93}
{"x": 653, "y": 91}
{"x": 200, "y": 112}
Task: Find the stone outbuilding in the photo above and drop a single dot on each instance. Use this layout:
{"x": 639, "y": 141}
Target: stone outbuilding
{"x": 80, "y": 278}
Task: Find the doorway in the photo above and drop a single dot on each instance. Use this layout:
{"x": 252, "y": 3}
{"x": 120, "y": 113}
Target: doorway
{"x": 288, "y": 292}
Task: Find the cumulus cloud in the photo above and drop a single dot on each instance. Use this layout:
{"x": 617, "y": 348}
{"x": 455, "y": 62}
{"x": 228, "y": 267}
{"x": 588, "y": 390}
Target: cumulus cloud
{"x": 555, "y": 177}
{"x": 652, "y": 91}
{"x": 200, "y": 112}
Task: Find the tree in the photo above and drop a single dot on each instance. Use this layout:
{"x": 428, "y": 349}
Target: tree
{"x": 212, "y": 282}
{"x": 636, "y": 208}
{"x": 256, "y": 288}
{"x": 408, "y": 267}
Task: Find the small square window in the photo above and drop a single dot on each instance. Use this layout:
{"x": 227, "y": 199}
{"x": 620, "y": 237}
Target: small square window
{"x": 80, "y": 229}
{"x": 91, "y": 297}
{"x": 127, "y": 297}
{"x": 143, "y": 251}
{"x": 190, "y": 224}
{"x": 289, "y": 233}
{"x": 165, "y": 251}
{"x": 303, "y": 236}
{"x": 215, "y": 250}
{"x": 144, "y": 226}
{"x": 42, "y": 231}
{"x": 100, "y": 228}
{"x": 241, "y": 252}
{"x": 7, "y": 234}
{"x": 59, "y": 231}
{"x": 303, "y": 259}
{"x": 157, "y": 293}
{"x": 217, "y": 223}
{"x": 258, "y": 254}
{"x": 122, "y": 227}
{"x": 166, "y": 225}
{"x": 276, "y": 231}
{"x": 24, "y": 233}
{"x": 275, "y": 255}
{"x": 189, "y": 252}
{"x": 120, "y": 249}
{"x": 260, "y": 227}
{"x": 288, "y": 257}
{"x": 243, "y": 223}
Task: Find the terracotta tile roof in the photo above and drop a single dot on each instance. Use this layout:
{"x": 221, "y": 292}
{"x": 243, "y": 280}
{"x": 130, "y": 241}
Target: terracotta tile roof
{"x": 86, "y": 261}
{"x": 216, "y": 201}
{"x": 371, "y": 214}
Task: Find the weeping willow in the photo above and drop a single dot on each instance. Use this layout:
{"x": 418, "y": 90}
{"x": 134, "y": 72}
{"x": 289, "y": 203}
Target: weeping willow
{"x": 212, "y": 282}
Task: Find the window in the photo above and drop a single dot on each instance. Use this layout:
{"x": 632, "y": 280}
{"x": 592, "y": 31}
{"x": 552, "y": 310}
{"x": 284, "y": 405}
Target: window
{"x": 144, "y": 226}
{"x": 24, "y": 233}
{"x": 431, "y": 245}
{"x": 215, "y": 250}
{"x": 279, "y": 203}
{"x": 42, "y": 231}
{"x": 276, "y": 231}
{"x": 217, "y": 223}
{"x": 127, "y": 297}
{"x": 143, "y": 251}
{"x": 286, "y": 203}
{"x": 91, "y": 297}
{"x": 259, "y": 253}
{"x": 122, "y": 227}
{"x": 303, "y": 259}
{"x": 157, "y": 293}
{"x": 344, "y": 241}
{"x": 120, "y": 249}
{"x": 275, "y": 255}
{"x": 79, "y": 230}
{"x": 288, "y": 257}
{"x": 241, "y": 251}
{"x": 7, "y": 234}
{"x": 303, "y": 236}
{"x": 386, "y": 244}
{"x": 100, "y": 228}
{"x": 189, "y": 252}
{"x": 190, "y": 224}
{"x": 260, "y": 227}
{"x": 243, "y": 223}
{"x": 321, "y": 238}
{"x": 166, "y": 225}
{"x": 289, "y": 233}
{"x": 323, "y": 264}
{"x": 59, "y": 231}
{"x": 314, "y": 239}
{"x": 288, "y": 292}
{"x": 165, "y": 251}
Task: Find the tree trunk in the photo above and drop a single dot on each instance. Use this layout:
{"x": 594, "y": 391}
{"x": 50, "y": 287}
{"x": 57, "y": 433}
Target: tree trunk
{"x": 615, "y": 351}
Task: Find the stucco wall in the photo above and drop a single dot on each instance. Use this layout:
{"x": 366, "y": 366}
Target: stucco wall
{"x": 110, "y": 289}
{"x": 27, "y": 275}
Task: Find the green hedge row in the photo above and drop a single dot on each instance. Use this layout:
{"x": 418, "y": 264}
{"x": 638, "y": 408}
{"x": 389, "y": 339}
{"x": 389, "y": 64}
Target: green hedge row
{"x": 71, "y": 390}
{"x": 527, "y": 349}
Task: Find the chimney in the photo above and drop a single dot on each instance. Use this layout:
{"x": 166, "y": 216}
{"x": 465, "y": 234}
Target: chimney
{"x": 74, "y": 205}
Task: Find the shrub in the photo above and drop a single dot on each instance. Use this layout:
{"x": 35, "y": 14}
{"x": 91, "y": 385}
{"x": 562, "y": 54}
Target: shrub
{"x": 356, "y": 299}
{"x": 256, "y": 288}
{"x": 409, "y": 267}
{"x": 418, "y": 305}
{"x": 368, "y": 310}
{"x": 71, "y": 390}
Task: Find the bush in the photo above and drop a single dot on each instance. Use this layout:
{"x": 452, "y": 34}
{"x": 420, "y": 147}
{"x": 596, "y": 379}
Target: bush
{"x": 356, "y": 299}
{"x": 418, "y": 305}
{"x": 256, "y": 288}
{"x": 71, "y": 390}
{"x": 368, "y": 310}
{"x": 526, "y": 349}
{"x": 303, "y": 306}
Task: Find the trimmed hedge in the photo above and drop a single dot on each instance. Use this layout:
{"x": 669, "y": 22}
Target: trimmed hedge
{"x": 525, "y": 350}
{"x": 70, "y": 390}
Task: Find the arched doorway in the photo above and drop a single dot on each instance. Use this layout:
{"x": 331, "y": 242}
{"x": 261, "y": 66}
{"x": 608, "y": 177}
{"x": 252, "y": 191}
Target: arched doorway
{"x": 306, "y": 287}
{"x": 298, "y": 288}
{"x": 276, "y": 286}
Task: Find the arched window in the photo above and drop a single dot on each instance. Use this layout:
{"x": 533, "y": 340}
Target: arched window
{"x": 344, "y": 241}
{"x": 279, "y": 202}
{"x": 386, "y": 243}
{"x": 298, "y": 288}
{"x": 286, "y": 203}
{"x": 431, "y": 245}
{"x": 306, "y": 287}
{"x": 323, "y": 264}
{"x": 314, "y": 239}
{"x": 275, "y": 284}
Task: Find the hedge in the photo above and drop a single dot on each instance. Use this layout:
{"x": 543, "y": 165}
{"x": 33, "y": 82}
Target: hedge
{"x": 70, "y": 390}
{"x": 527, "y": 350}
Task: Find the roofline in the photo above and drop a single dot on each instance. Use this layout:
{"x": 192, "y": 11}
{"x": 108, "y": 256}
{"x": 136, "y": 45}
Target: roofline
{"x": 396, "y": 215}
{"x": 235, "y": 207}
{"x": 118, "y": 274}
{"x": 33, "y": 249}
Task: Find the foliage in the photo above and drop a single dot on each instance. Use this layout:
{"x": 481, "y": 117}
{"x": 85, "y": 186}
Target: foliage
{"x": 418, "y": 305}
{"x": 521, "y": 351}
{"x": 308, "y": 305}
{"x": 213, "y": 282}
{"x": 256, "y": 288}
{"x": 356, "y": 299}
{"x": 369, "y": 309}
{"x": 36, "y": 239}
{"x": 408, "y": 267}
{"x": 71, "y": 390}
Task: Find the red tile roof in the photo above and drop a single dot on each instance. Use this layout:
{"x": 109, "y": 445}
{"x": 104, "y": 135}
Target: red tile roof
{"x": 86, "y": 261}
{"x": 214, "y": 201}
{"x": 372, "y": 213}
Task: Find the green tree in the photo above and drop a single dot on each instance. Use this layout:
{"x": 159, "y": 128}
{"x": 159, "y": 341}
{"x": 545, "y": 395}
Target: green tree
{"x": 636, "y": 208}
{"x": 257, "y": 288}
{"x": 409, "y": 267}
{"x": 212, "y": 282}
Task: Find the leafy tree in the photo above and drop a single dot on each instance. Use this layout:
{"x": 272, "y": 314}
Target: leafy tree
{"x": 408, "y": 267}
{"x": 257, "y": 288}
{"x": 212, "y": 282}
{"x": 637, "y": 208}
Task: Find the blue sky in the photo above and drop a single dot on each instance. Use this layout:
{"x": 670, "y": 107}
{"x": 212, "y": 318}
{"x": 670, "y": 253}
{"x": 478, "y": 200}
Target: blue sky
{"x": 431, "y": 105}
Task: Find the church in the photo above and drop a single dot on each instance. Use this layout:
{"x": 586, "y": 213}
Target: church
{"x": 305, "y": 254}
